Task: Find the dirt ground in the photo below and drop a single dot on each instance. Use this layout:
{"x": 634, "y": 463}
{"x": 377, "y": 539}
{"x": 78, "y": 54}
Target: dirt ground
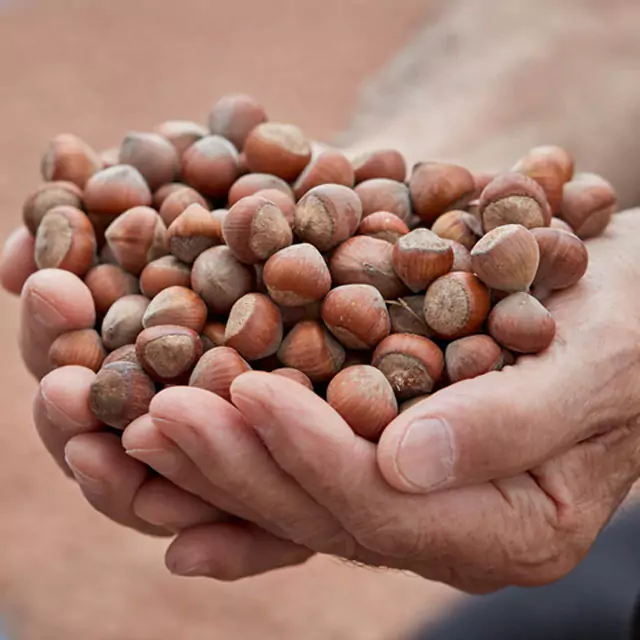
{"x": 97, "y": 69}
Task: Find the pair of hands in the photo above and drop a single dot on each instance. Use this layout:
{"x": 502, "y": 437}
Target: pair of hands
{"x": 504, "y": 479}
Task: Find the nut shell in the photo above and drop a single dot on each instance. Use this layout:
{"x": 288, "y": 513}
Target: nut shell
{"x": 107, "y": 283}
{"x": 382, "y": 194}
{"x": 251, "y": 183}
{"x": 459, "y": 226}
{"x": 217, "y": 369}
{"x": 152, "y": 155}
{"x": 69, "y": 158}
{"x": 588, "y": 203}
{"x": 182, "y": 133}
{"x": 113, "y": 191}
{"x": 234, "y": 116}
{"x": 328, "y": 167}
{"x": 163, "y": 273}
{"x": 383, "y": 226}
{"x": 381, "y": 163}
{"x": 46, "y": 197}
{"x": 177, "y": 201}
{"x": 123, "y": 321}
{"x": 176, "y": 306}
{"x": 472, "y": 356}
{"x": 407, "y": 316}
{"x": 294, "y": 374}
{"x": 192, "y": 232}
{"x": 82, "y": 348}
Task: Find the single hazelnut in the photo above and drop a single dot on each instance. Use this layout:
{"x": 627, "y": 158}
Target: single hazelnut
{"x": 292, "y": 315}
{"x": 217, "y": 369}
{"x": 120, "y": 393}
{"x": 407, "y": 404}
{"x": 163, "y": 273}
{"x": 285, "y": 203}
{"x": 297, "y": 275}
{"x": 178, "y": 306}
{"x": 69, "y": 158}
{"x": 481, "y": 180}
{"x": 407, "y": 316}
{"x": 412, "y": 364}
{"x": 123, "y": 321}
{"x": 220, "y": 278}
{"x": 212, "y": 335}
{"x": 383, "y": 225}
{"x": 294, "y": 374}
{"x": 107, "y": 283}
{"x": 506, "y": 258}
{"x": 46, "y": 197}
{"x": 110, "y": 157}
{"x": 310, "y": 348}
{"x": 382, "y": 194}
{"x": 364, "y": 398}
{"x": 177, "y": 201}
{"x": 82, "y": 348}
{"x": 558, "y": 223}
{"x": 254, "y": 327}
{"x": 114, "y": 190}
{"x": 471, "y": 357}
{"x": 459, "y": 226}
{"x": 357, "y": 315}
{"x": 163, "y": 192}
{"x": 181, "y": 133}
{"x": 456, "y": 305}
{"x": 521, "y": 324}
{"x": 125, "y": 353}
{"x": 328, "y": 167}
{"x": 382, "y": 163}
{"x": 234, "y": 116}
{"x": 251, "y": 183}
{"x": 152, "y": 155}
{"x": 461, "y": 256}
{"x": 192, "y": 232}
{"x": 65, "y": 240}
{"x": 280, "y": 149}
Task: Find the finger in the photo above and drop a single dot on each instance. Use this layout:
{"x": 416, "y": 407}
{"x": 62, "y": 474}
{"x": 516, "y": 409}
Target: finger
{"x": 17, "y": 262}
{"x": 53, "y": 302}
{"x": 230, "y": 552}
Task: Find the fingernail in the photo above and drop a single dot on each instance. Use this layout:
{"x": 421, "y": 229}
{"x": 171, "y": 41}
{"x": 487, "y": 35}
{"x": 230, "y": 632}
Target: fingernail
{"x": 180, "y": 432}
{"x": 187, "y": 568}
{"x": 164, "y": 461}
{"x": 61, "y": 419}
{"x": 43, "y": 312}
{"x": 91, "y": 484}
{"x": 425, "y": 454}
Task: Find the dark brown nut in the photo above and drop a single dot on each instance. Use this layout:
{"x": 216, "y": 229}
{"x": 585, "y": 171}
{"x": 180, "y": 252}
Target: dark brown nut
{"x": 69, "y": 158}
{"x": 357, "y": 315}
{"x": 588, "y": 203}
{"x": 255, "y": 228}
{"x": 364, "y": 260}
{"x": 471, "y": 357}
{"x": 211, "y": 166}
{"x": 110, "y": 157}
{"x": 407, "y": 316}
{"x": 310, "y": 348}
{"x": 461, "y": 256}
{"x": 192, "y": 232}
{"x": 382, "y": 194}
{"x": 212, "y": 335}
{"x": 558, "y": 223}
{"x": 285, "y": 203}
{"x": 178, "y": 201}
{"x": 217, "y": 369}
{"x": 280, "y": 149}
{"x": 506, "y": 258}
{"x": 407, "y": 404}
{"x": 412, "y": 364}
{"x": 181, "y": 133}
{"x": 456, "y": 305}
{"x": 120, "y": 393}
{"x": 297, "y": 276}
{"x": 327, "y": 215}
{"x": 521, "y": 324}
{"x": 114, "y": 190}
{"x": 234, "y": 116}
{"x": 65, "y": 240}
{"x": 459, "y": 226}
{"x": 251, "y": 183}
{"x": 123, "y": 321}
{"x": 383, "y": 225}
{"x": 108, "y": 283}
{"x": 220, "y": 278}
{"x": 162, "y": 193}
{"x": 512, "y": 198}
{"x": 364, "y": 398}
{"x": 82, "y": 348}
{"x": 254, "y": 327}
{"x": 126, "y": 353}
{"x": 328, "y": 167}
{"x": 163, "y": 273}
{"x": 382, "y": 163}
{"x": 46, "y": 197}
{"x": 168, "y": 353}
{"x": 294, "y": 374}
{"x": 292, "y": 315}
{"x": 178, "y": 306}
{"x": 137, "y": 237}
{"x": 152, "y": 155}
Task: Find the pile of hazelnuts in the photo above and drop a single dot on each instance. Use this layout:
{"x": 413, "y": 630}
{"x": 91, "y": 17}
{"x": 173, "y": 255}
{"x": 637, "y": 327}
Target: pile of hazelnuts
{"x": 213, "y": 250}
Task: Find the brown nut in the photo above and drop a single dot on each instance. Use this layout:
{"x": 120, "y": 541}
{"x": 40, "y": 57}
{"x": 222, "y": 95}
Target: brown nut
{"x": 163, "y": 192}
{"x": 136, "y": 238}
{"x": 163, "y": 273}
{"x": 192, "y": 232}
{"x": 382, "y": 194}
{"x": 46, "y": 197}
{"x": 168, "y": 353}
{"x": 152, "y": 155}
{"x": 285, "y": 203}
{"x": 292, "y": 315}
{"x": 412, "y": 364}
{"x": 506, "y": 258}
{"x": 113, "y": 191}
{"x": 177, "y": 201}
{"x": 297, "y": 276}
{"x": 255, "y": 228}
{"x": 234, "y": 116}
{"x": 108, "y": 283}
{"x": 126, "y": 353}
{"x": 65, "y": 240}
{"x": 481, "y": 180}
{"x": 210, "y": 166}
{"x": 357, "y": 315}
{"x": 254, "y": 327}
{"x": 82, "y": 348}
{"x": 461, "y": 256}
{"x": 456, "y": 305}
{"x": 407, "y": 316}
{"x": 69, "y": 158}
{"x": 327, "y": 215}
{"x": 328, "y": 167}
{"x": 383, "y": 225}
{"x": 123, "y": 321}
{"x": 280, "y": 149}
{"x": 212, "y": 335}
{"x": 120, "y": 393}
{"x": 364, "y": 398}
{"x": 512, "y": 198}
{"x": 459, "y": 226}
{"x": 217, "y": 369}
{"x": 521, "y": 324}
{"x": 382, "y": 163}
{"x": 471, "y": 357}
{"x": 558, "y": 223}
{"x": 178, "y": 306}
{"x": 294, "y": 374}
{"x": 251, "y": 183}
{"x": 181, "y": 133}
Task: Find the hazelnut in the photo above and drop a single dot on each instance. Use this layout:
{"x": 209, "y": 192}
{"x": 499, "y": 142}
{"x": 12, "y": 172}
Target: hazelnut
{"x": 481, "y": 180}
{"x": 285, "y": 203}
{"x": 178, "y": 306}
{"x": 100, "y": 224}
{"x": 471, "y": 357}
{"x": 136, "y": 238}
{"x": 364, "y": 398}
{"x": 65, "y": 240}
{"x": 382, "y": 194}
{"x": 293, "y": 315}
{"x": 107, "y": 283}
{"x": 123, "y": 321}
{"x": 250, "y": 184}
{"x": 212, "y": 335}
{"x": 407, "y": 404}
{"x": 114, "y": 190}
{"x": 210, "y": 166}
{"x": 125, "y": 353}
{"x": 506, "y": 258}
{"x": 182, "y": 133}
{"x": 357, "y": 315}
{"x": 163, "y": 192}
{"x": 220, "y": 278}
{"x": 192, "y": 232}
{"x": 163, "y": 273}
{"x": 217, "y": 369}
{"x": 459, "y": 226}
{"x": 384, "y": 226}
{"x": 177, "y": 201}
{"x": 328, "y": 167}
{"x": 120, "y": 393}
{"x": 310, "y": 348}
{"x": 327, "y": 215}
{"x": 461, "y": 256}
{"x": 294, "y": 374}
{"x": 382, "y": 163}
{"x": 512, "y": 198}
{"x": 152, "y": 155}
{"x": 280, "y": 149}
{"x": 254, "y": 327}
{"x": 521, "y": 324}
{"x": 588, "y": 202}
{"x": 255, "y": 228}
{"x": 456, "y": 305}
{"x": 82, "y": 348}
{"x": 234, "y": 116}
{"x": 407, "y": 316}
{"x": 412, "y": 364}
{"x": 46, "y": 197}
{"x": 69, "y": 158}
{"x": 110, "y": 157}
{"x": 558, "y": 223}
{"x": 437, "y": 187}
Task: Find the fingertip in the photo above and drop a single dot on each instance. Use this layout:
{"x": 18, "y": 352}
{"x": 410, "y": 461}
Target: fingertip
{"x": 17, "y": 262}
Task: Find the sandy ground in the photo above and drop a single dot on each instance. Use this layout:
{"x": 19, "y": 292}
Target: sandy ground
{"x": 99, "y": 68}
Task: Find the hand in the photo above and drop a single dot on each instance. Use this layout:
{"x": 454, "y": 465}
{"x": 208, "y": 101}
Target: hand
{"x": 504, "y": 479}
